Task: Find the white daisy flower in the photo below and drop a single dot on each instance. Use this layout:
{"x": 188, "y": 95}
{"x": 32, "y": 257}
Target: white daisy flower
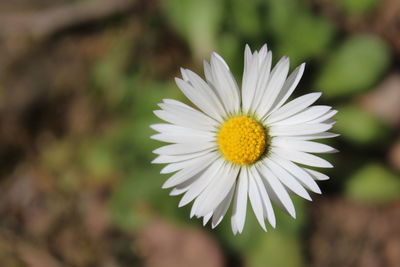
{"x": 243, "y": 143}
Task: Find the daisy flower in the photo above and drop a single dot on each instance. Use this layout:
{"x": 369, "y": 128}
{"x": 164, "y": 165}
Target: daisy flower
{"x": 243, "y": 143}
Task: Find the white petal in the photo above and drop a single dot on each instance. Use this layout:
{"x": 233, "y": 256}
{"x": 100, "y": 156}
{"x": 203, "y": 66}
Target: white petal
{"x": 287, "y": 179}
{"x": 254, "y": 89}
{"x": 307, "y": 115}
{"x": 178, "y": 149}
{"x": 176, "y": 103}
{"x": 208, "y": 73}
{"x": 213, "y": 172}
{"x": 207, "y": 218}
{"x": 186, "y": 117}
{"x": 293, "y": 107}
{"x": 220, "y": 211}
{"x": 297, "y": 172}
{"x": 177, "y": 191}
{"x": 185, "y": 174}
{"x": 275, "y": 83}
{"x": 176, "y": 158}
{"x": 166, "y": 128}
{"x": 298, "y": 129}
{"x": 186, "y": 185}
{"x": 225, "y": 84}
{"x": 256, "y": 201}
{"x": 203, "y": 99}
{"x": 315, "y": 136}
{"x": 288, "y": 88}
{"x": 317, "y": 175}
{"x": 263, "y": 77}
{"x": 324, "y": 117}
{"x": 197, "y": 82}
{"x": 246, "y": 72}
{"x": 249, "y": 80}
{"x": 300, "y": 145}
{"x": 276, "y": 189}
{"x": 182, "y": 139}
{"x": 173, "y": 167}
{"x": 330, "y": 121}
{"x": 216, "y": 191}
{"x": 302, "y": 157}
{"x": 233, "y": 225}
{"x": 268, "y": 210}
{"x": 240, "y": 201}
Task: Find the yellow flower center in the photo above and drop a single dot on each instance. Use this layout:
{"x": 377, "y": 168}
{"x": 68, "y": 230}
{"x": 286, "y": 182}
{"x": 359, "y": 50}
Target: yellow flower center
{"x": 242, "y": 140}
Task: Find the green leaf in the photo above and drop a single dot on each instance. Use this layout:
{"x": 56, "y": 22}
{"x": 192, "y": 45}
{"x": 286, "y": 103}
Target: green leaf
{"x": 359, "y": 126}
{"x": 253, "y": 235}
{"x": 354, "y": 67}
{"x": 246, "y": 17}
{"x": 308, "y": 36}
{"x": 276, "y": 249}
{"x": 373, "y": 183}
{"x": 357, "y": 7}
{"x": 197, "y": 21}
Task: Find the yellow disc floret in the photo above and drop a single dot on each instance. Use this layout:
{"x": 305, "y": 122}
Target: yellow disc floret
{"x": 242, "y": 140}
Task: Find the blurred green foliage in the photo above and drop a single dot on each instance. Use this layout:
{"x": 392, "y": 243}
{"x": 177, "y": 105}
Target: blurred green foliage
{"x": 357, "y": 7}
{"x": 355, "y": 66}
{"x": 347, "y": 66}
{"x": 373, "y": 183}
{"x": 201, "y": 34}
{"x": 358, "y": 126}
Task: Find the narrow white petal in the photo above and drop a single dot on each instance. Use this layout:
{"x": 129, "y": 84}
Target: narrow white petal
{"x": 317, "y": 175}
{"x": 302, "y": 157}
{"x": 207, "y": 218}
{"x": 220, "y": 211}
{"x": 308, "y": 115}
{"x": 185, "y": 174}
{"x": 276, "y": 190}
{"x": 186, "y": 185}
{"x": 176, "y": 103}
{"x": 288, "y": 88}
{"x": 256, "y": 201}
{"x": 178, "y": 149}
{"x": 330, "y": 121}
{"x": 262, "y": 55}
{"x": 203, "y": 99}
{"x": 179, "y": 130}
{"x": 173, "y": 167}
{"x": 225, "y": 84}
{"x": 208, "y": 73}
{"x": 187, "y": 117}
{"x": 176, "y": 158}
{"x": 324, "y": 117}
{"x": 300, "y": 145}
{"x": 177, "y": 191}
{"x": 216, "y": 190}
{"x": 198, "y": 83}
{"x": 297, "y": 172}
{"x": 287, "y": 179}
{"x": 268, "y": 210}
{"x": 298, "y": 129}
{"x": 213, "y": 172}
{"x": 250, "y": 78}
{"x": 262, "y": 79}
{"x": 315, "y": 136}
{"x": 240, "y": 201}
{"x": 275, "y": 83}
{"x": 292, "y": 108}
{"x": 182, "y": 139}
{"x": 234, "y": 226}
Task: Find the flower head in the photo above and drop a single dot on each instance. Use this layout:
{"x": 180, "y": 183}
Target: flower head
{"x": 243, "y": 143}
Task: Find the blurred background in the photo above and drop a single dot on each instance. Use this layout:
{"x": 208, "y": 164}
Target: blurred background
{"x": 79, "y": 80}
